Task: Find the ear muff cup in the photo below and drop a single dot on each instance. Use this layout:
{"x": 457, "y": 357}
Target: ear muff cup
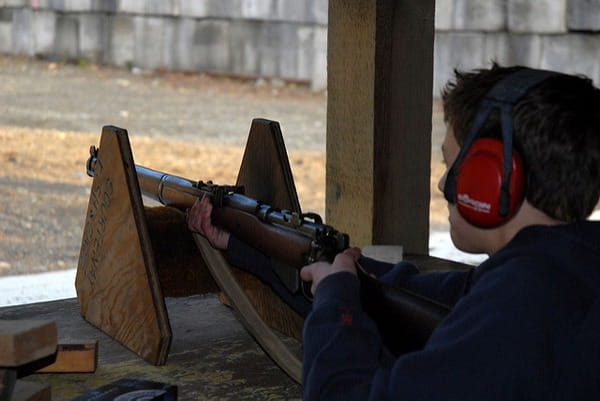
{"x": 479, "y": 184}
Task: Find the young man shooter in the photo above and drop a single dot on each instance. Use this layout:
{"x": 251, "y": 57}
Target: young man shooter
{"x": 522, "y": 150}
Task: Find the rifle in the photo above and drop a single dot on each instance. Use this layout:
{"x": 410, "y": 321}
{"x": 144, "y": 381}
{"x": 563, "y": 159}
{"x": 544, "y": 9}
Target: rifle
{"x": 405, "y": 319}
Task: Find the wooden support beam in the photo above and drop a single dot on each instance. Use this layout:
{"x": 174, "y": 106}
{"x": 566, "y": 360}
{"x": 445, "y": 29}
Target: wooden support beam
{"x": 380, "y": 73}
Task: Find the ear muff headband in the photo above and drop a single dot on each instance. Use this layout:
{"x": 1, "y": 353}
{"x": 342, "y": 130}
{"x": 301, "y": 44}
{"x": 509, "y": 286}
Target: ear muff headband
{"x": 503, "y": 96}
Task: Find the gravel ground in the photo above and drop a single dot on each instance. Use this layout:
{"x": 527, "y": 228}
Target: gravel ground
{"x": 190, "y": 107}
{"x": 192, "y": 125}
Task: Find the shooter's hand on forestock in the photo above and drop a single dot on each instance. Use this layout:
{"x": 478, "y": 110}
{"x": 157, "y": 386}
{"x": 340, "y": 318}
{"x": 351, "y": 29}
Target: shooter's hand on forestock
{"x": 199, "y": 220}
{"x": 343, "y": 262}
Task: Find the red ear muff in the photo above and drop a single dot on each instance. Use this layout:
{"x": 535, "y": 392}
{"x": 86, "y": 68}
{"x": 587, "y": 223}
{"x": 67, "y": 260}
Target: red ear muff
{"x": 479, "y": 183}
{"x": 487, "y": 190}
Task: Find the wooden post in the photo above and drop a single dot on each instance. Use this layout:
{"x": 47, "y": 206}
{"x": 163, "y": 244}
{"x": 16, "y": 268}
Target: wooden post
{"x": 380, "y": 73}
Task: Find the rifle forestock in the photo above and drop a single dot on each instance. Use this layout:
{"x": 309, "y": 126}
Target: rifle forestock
{"x": 279, "y": 243}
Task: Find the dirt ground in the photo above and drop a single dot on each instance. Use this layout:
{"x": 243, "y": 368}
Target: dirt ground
{"x": 192, "y": 125}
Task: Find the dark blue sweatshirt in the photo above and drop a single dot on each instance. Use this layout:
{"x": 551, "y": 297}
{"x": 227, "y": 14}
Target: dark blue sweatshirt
{"x": 525, "y": 325}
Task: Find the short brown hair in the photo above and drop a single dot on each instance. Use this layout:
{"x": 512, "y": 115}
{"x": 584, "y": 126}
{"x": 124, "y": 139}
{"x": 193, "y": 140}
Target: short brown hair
{"x": 556, "y": 129}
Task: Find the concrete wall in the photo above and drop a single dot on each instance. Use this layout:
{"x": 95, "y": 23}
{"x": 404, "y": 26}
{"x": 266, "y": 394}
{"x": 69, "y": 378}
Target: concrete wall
{"x": 266, "y": 38}
{"x": 561, "y": 35}
{"x": 288, "y": 38}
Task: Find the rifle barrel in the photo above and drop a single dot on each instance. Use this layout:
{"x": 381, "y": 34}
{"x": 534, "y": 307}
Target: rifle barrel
{"x": 167, "y": 189}
{"x": 239, "y": 219}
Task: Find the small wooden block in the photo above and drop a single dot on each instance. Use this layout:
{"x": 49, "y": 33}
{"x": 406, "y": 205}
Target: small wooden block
{"x": 31, "y": 391}
{"x": 74, "y": 357}
{"x": 24, "y": 341}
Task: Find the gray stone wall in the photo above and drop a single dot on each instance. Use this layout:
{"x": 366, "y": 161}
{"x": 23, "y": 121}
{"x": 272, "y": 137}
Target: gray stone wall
{"x": 561, "y": 35}
{"x": 288, "y": 38}
{"x": 257, "y": 38}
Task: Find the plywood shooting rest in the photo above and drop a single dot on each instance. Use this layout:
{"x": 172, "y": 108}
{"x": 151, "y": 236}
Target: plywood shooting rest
{"x": 133, "y": 255}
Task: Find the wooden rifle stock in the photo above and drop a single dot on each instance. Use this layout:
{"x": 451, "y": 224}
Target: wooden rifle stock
{"x": 405, "y": 319}
{"x": 278, "y": 243}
